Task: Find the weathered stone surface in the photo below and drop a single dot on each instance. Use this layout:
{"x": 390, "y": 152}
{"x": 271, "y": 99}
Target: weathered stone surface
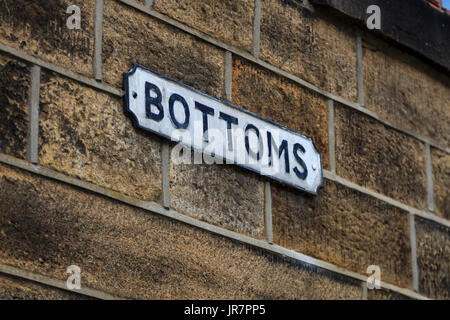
{"x": 85, "y": 133}
{"x": 39, "y": 28}
{"x": 312, "y": 46}
{"x": 415, "y": 24}
{"x": 47, "y": 226}
{"x": 433, "y": 259}
{"x": 441, "y": 182}
{"x": 384, "y": 294}
{"x": 380, "y": 158}
{"x": 14, "y": 92}
{"x": 220, "y": 194}
{"x": 344, "y": 227}
{"x": 17, "y": 289}
{"x": 130, "y": 36}
{"x": 407, "y": 92}
{"x": 281, "y": 101}
{"x": 229, "y": 21}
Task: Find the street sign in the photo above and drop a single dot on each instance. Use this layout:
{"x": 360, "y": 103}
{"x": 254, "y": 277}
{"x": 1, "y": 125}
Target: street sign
{"x": 221, "y": 132}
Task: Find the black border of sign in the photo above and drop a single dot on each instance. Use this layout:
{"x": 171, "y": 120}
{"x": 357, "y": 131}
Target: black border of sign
{"x": 136, "y": 123}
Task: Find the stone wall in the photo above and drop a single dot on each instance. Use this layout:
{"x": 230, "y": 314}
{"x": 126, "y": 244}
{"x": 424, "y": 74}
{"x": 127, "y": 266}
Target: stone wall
{"x": 79, "y": 185}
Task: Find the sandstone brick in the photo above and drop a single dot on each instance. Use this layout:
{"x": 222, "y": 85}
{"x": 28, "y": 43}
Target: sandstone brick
{"x": 380, "y": 158}
{"x": 130, "y": 36}
{"x": 441, "y": 182}
{"x": 229, "y": 21}
{"x": 39, "y": 28}
{"x": 85, "y": 134}
{"x": 407, "y": 92}
{"x": 47, "y": 226}
{"x": 384, "y": 294}
{"x": 220, "y": 194}
{"x": 344, "y": 227}
{"x": 14, "y": 91}
{"x": 17, "y": 289}
{"x": 281, "y": 101}
{"x": 433, "y": 252}
{"x": 310, "y": 45}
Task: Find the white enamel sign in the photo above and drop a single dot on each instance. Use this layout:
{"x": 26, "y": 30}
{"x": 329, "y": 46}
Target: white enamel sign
{"x": 223, "y": 133}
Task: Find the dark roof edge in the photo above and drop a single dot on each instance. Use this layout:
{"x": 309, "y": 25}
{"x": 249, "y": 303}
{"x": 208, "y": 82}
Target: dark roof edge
{"x": 412, "y": 23}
